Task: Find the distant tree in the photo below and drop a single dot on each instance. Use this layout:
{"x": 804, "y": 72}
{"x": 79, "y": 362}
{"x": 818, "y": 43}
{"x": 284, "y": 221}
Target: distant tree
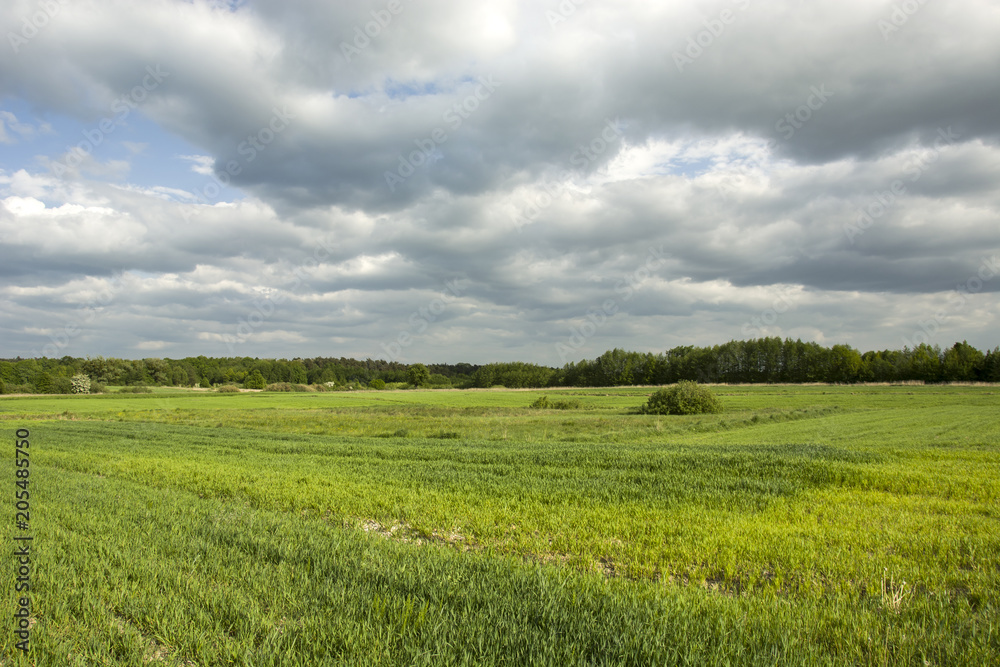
{"x": 255, "y": 381}
{"x": 513, "y": 375}
{"x": 156, "y": 371}
{"x": 133, "y": 372}
{"x": 925, "y": 363}
{"x": 962, "y": 363}
{"x": 61, "y": 385}
{"x": 43, "y": 383}
{"x": 234, "y": 375}
{"x": 297, "y": 372}
{"x": 27, "y": 370}
{"x": 878, "y": 366}
{"x": 178, "y": 376}
{"x": 990, "y": 371}
{"x": 438, "y": 380}
{"x": 616, "y": 368}
{"x": 418, "y": 375}
{"x": 377, "y": 384}
{"x": 845, "y": 364}
{"x": 9, "y": 374}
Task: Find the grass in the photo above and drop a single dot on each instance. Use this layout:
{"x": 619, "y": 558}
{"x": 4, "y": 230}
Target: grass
{"x": 804, "y": 525}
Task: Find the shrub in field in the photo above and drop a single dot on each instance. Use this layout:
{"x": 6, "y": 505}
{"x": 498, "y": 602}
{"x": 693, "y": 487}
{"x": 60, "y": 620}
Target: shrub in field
{"x": 81, "y": 384}
{"x": 438, "y": 380}
{"x": 138, "y": 389}
{"x": 97, "y": 387}
{"x": 377, "y": 384}
{"x": 445, "y": 435}
{"x": 684, "y": 398}
{"x": 255, "y": 381}
{"x": 288, "y": 386}
{"x": 543, "y": 403}
{"x": 61, "y": 385}
{"x": 228, "y": 389}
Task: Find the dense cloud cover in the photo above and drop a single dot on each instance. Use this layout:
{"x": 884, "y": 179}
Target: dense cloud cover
{"x": 444, "y": 181}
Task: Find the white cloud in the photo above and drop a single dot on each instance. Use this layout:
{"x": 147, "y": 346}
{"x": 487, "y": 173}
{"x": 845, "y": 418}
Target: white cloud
{"x": 201, "y": 164}
{"x": 9, "y": 121}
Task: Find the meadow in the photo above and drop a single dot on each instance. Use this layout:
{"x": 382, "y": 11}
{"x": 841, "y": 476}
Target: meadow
{"x": 803, "y": 525}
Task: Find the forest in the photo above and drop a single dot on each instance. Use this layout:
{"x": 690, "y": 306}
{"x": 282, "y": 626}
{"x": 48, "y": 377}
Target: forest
{"x": 763, "y": 360}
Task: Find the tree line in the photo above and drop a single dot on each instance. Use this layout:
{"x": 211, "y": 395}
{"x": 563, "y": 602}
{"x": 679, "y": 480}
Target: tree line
{"x": 48, "y": 375}
{"x": 763, "y": 360}
{"x": 772, "y": 360}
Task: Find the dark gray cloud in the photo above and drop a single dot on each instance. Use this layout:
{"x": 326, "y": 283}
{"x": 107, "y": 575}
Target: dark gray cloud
{"x": 835, "y": 155}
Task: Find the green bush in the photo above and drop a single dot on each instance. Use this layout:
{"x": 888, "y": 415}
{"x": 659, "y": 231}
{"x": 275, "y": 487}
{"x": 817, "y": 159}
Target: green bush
{"x": 138, "y": 389}
{"x": 97, "y": 387}
{"x": 445, "y": 435}
{"x": 377, "y": 384}
{"x": 684, "y": 398}
{"x": 61, "y": 385}
{"x": 543, "y": 403}
{"x": 228, "y": 389}
{"x": 255, "y": 381}
{"x": 287, "y": 386}
{"x": 439, "y": 380}
{"x": 350, "y": 386}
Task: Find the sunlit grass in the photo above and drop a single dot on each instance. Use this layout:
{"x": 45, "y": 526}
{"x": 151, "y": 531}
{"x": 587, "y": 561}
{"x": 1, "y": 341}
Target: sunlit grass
{"x": 427, "y": 527}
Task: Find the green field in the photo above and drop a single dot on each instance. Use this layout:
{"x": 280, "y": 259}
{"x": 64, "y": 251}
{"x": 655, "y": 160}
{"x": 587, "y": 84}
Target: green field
{"x": 803, "y": 525}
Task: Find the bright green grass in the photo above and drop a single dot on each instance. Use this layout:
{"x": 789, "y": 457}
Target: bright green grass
{"x": 297, "y": 529}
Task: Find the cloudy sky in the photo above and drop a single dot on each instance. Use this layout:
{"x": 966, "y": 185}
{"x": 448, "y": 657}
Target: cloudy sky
{"x": 443, "y": 181}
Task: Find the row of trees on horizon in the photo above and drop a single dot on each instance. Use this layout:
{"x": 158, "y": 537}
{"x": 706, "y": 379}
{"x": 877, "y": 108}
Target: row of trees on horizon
{"x": 763, "y": 360}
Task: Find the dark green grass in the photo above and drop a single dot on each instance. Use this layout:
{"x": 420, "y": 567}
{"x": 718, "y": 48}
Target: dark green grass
{"x": 133, "y": 575}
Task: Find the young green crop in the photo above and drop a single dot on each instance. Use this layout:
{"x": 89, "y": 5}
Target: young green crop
{"x": 300, "y": 529}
